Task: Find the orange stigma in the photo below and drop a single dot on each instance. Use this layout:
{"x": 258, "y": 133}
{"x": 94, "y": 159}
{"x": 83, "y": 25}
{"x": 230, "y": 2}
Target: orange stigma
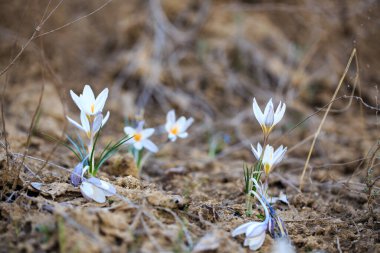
{"x": 137, "y": 137}
{"x": 174, "y": 130}
{"x": 92, "y": 108}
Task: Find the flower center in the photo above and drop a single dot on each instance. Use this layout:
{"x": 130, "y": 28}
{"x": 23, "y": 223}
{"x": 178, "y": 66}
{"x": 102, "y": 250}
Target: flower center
{"x": 92, "y": 108}
{"x": 267, "y": 168}
{"x": 174, "y": 130}
{"x": 137, "y": 137}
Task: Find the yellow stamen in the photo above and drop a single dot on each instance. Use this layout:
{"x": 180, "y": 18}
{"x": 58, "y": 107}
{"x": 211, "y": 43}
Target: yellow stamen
{"x": 174, "y": 130}
{"x": 267, "y": 168}
{"x": 92, "y": 108}
{"x": 137, "y": 137}
{"x": 266, "y": 129}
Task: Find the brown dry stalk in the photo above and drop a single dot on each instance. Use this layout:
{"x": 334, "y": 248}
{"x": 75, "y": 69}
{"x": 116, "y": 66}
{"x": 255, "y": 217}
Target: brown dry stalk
{"x": 75, "y": 20}
{"x": 4, "y": 131}
{"x": 370, "y": 182}
{"x": 29, "y": 138}
{"x": 56, "y": 84}
{"x": 353, "y": 54}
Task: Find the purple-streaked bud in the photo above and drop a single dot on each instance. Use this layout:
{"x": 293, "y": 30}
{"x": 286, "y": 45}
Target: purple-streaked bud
{"x": 76, "y": 175}
{"x": 271, "y": 224}
{"x": 284, "y": 232}
{"x": 269, "y": 119}
{"x": 140, "y": 126}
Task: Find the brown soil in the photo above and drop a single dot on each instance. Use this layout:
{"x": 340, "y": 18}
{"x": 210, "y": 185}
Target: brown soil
{"x": 208, "y": 63}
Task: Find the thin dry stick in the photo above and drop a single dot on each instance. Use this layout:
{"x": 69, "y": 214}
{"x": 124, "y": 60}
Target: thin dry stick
{"x": 325, "y": 116}
{"x": 34, "y": 35}
{"x": 64, "y": 112}
{"x": 75, "y": 20}
{"x": 4, "y": 132}
{"x": 32, "y": 124}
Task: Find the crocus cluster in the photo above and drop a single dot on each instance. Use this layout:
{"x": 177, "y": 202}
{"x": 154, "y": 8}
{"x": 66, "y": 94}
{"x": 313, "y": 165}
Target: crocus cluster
{"x": 92, "y": 120}
{"x": 91, "y": 123}
{"x": 267, "y": 158}
{"x": 140, "y": 140}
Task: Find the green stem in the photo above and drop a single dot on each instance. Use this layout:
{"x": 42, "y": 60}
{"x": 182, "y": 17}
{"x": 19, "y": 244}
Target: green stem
{"x": 257, "y": 174}
{"x": 138, "y": 158}
{"x": 248, "y": 201}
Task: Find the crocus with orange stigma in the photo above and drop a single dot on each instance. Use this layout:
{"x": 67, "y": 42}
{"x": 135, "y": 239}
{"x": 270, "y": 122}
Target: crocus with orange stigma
{"x": 140, "y": 137}
{"x": 177, "y": 128}
{"x": 87, "y": 102}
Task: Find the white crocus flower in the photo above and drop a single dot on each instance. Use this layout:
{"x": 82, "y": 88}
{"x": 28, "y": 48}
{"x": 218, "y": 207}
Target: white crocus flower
{"x": 140, "y": 137}
{"x": 96, "y": 189}
{"x": 177, "y": 128}
{"x": 254, "y": 231}
{"x": 257, "y": 152}
{"x": 85, "y": 124}
{"x": 269, "y": 118}
{"x": 270, "y": 157}
{"x": 90, "y": 129}
{"x": 87, "y": 101}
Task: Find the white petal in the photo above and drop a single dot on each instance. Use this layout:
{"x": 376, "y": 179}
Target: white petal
{"x": 138, "y": 145}
{"x": 129, "y": 131}
{"x": 268, "y": 155}
{"x": 280, "y": 154}
{"x": 85, "y": 122}
{"x": 168, "y": 126}
{"x": 183, "y": 135}
{"x": 105, "y": 119}
{"x": 90, "y": 191}
{"x": 149, "y": 145}
{"x": 88, "y": 94}
{"x": 257, "y": 112}
{"x": 278, "y": 108}
{"x": 86, "y": 106}
{"x": 269, "y": 116}
{"x": 256, "y": 229}
{"x": 131, "y": 141}
{"x": 97, "y": 124}
{"x": 108, "y": 188}
{"x": 259, "y": 148}
{"x": 181, "y": 122}
{"x": 280, "y": 151}
{"x": 172, "y": 137}
{"x": 267, "y": 107}
{"x": 170, "y": 117}
{"x": 101, "y": 100}
{"x": 257, "y": 152}
{"x": 146, "y": 133}
{"x": 140, "y": 126}
{"x": 241, "y": 229}
{"x": 280, "y": 114}
{"x": 256, "y": 242}
{"x": 76, "y": 99}
{"x": 188, "y": 123}
{"x": 75, "y": 123}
